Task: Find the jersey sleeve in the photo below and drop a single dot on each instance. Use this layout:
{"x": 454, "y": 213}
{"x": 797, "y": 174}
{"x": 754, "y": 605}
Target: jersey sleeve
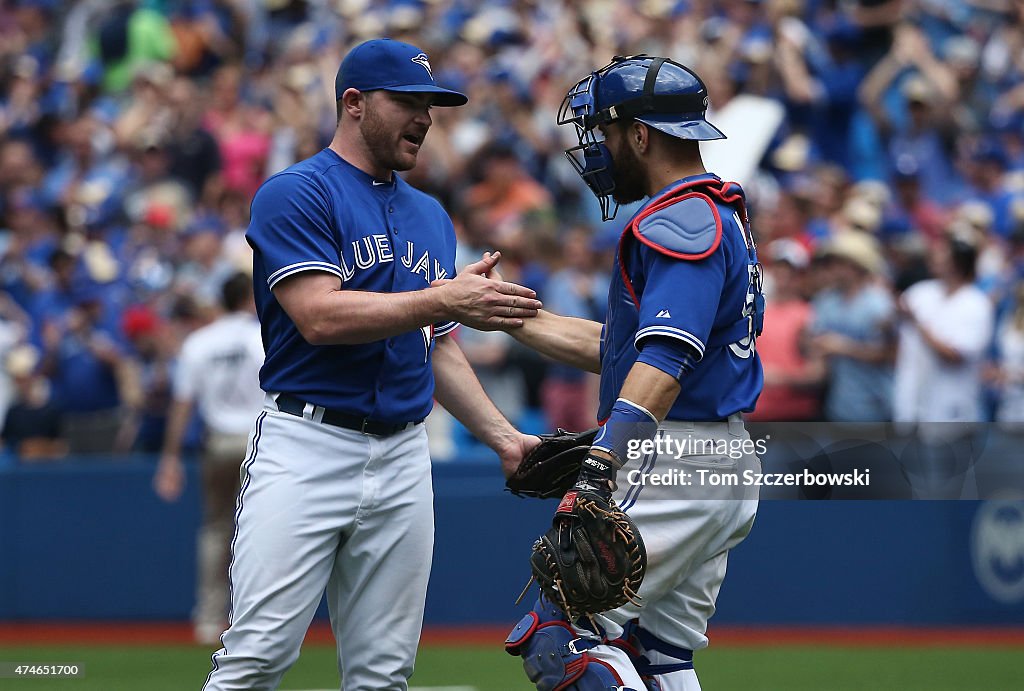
{"x": 448, "y": 266}
{"x": 291, "y": 228}
{"x": 444, "y": 328}
{"x": 680, "y": 298}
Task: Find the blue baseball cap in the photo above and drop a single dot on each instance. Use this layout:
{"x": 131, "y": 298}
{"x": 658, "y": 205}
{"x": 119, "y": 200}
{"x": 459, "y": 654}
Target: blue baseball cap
{"x": 389, "y": 65}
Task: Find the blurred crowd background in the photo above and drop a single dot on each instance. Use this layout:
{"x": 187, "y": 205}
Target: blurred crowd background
{"x": 888, "y": 208}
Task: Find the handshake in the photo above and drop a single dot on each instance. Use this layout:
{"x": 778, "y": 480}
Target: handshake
{"x": 479, "y": 298}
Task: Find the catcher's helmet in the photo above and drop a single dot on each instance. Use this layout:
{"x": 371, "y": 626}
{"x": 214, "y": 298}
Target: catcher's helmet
{"x": 658, "y": 92}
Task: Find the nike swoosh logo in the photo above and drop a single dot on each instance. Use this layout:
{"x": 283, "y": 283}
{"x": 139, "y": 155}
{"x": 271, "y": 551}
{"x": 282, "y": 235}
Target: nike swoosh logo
{"x": 375, "y": 183}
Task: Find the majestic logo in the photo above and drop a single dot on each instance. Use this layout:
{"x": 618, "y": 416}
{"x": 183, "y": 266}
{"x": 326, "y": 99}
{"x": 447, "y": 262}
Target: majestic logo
{"x": 997, "y": 550}
{"x": 422, "y": 61}
{"x": 664, "y": 314}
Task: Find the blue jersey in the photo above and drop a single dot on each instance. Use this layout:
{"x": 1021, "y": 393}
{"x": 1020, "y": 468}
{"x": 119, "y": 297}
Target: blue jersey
{"x": 324, "y": 214}
{"x": 686, "y": 269}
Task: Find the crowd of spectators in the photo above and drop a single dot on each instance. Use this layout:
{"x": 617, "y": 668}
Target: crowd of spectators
{"x": 888, "y": 207}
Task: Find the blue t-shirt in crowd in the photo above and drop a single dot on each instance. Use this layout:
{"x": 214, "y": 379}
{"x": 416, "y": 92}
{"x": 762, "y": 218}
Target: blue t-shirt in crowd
{"x": 858, "y": 391}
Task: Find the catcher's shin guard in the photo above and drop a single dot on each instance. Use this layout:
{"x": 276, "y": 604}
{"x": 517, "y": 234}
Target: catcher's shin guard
{"x": 555, "y": 658}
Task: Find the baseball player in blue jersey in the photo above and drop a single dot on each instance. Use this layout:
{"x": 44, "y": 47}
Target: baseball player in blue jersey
{"x": 678, "y": 365}
{"x": 356, "y": 292}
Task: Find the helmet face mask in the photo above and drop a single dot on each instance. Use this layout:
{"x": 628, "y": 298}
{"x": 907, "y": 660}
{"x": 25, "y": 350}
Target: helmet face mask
{"x": 591, "y": 157}
{"x": 658, "y": 92}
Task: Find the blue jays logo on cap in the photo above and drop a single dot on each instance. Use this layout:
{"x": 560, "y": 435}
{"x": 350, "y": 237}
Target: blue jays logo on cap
{"x": 389, "y": 65}
{"x": 421, "y": 59}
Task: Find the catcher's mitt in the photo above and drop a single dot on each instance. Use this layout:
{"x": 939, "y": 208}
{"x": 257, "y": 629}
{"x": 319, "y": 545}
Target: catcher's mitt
{"x": 551, "y": 467}
{"x": 592, "y": 559}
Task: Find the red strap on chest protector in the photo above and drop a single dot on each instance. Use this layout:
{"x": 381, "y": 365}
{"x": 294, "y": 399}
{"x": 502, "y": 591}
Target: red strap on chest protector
{"x": 703, "y": 189}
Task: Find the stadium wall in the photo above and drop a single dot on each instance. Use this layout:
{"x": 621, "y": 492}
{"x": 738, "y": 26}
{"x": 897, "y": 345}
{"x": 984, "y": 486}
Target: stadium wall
{"x": 87, "y": 539}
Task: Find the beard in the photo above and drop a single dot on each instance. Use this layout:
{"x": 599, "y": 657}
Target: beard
{"x": 384, "y": 144}
{"x": 629, "y": 175}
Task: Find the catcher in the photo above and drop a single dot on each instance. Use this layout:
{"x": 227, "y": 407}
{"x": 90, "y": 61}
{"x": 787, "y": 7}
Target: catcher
{"x": 678, "y": 366}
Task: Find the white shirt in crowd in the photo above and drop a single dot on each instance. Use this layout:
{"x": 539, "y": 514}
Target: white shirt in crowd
{"x": 926, "y": 388}
{"x": 1011, "y": 359}
{"x": 10, "y": 335}
{"x": 219, "y": 369}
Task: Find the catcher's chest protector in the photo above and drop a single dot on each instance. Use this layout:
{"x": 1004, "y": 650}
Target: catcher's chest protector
{"x": 690, "y": 223}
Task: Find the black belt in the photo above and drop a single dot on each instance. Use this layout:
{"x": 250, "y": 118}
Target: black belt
{"x": 294, "y": 406}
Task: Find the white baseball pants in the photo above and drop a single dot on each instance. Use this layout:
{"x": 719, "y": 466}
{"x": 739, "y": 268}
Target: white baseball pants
{"x": 323, "y": 507}
{"x": 688, "y": 531}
